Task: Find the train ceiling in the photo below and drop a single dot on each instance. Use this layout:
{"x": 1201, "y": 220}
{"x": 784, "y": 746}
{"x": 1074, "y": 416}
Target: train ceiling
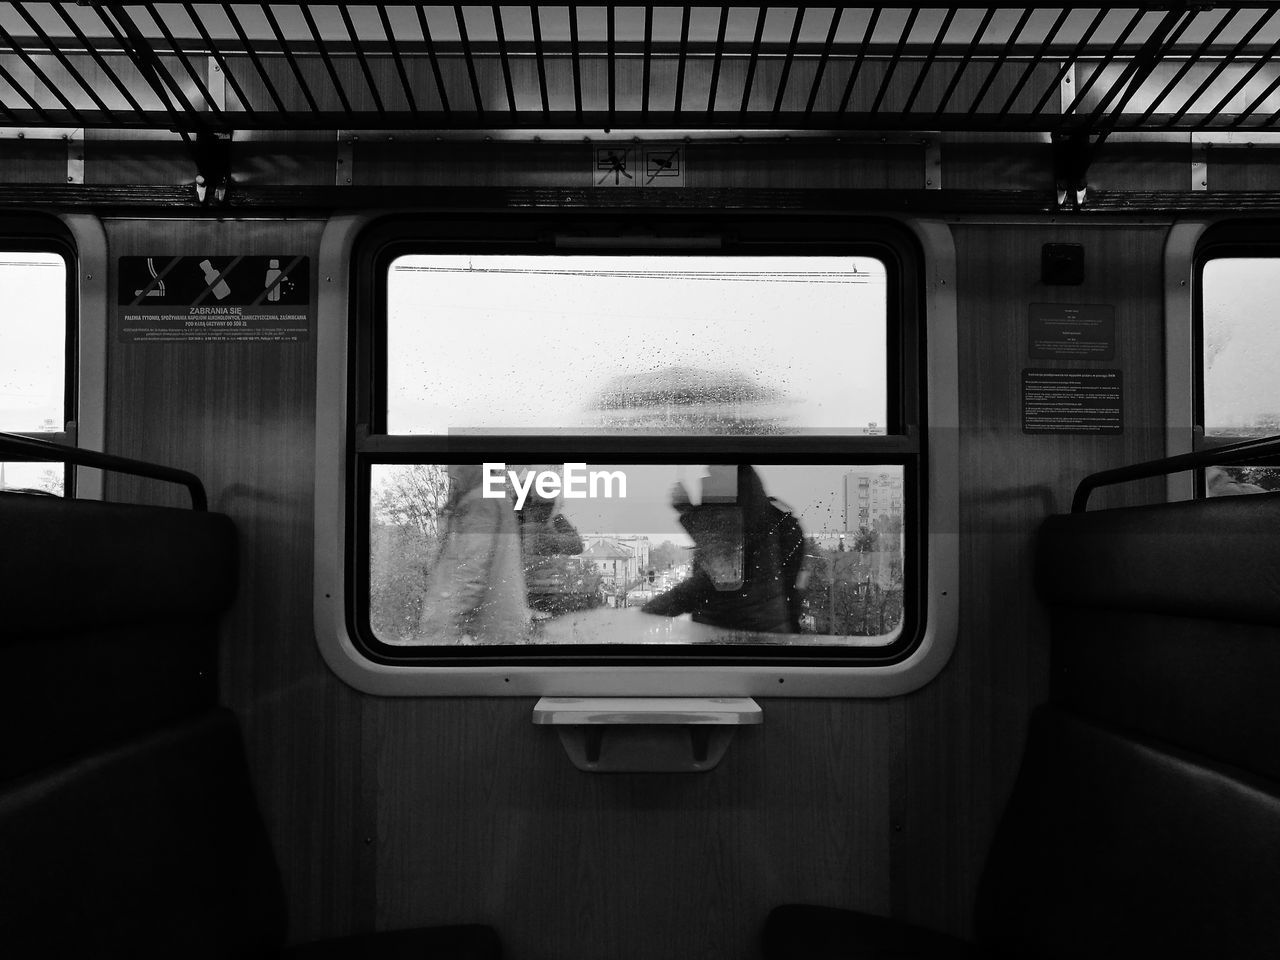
{"x": 215, "y": 68}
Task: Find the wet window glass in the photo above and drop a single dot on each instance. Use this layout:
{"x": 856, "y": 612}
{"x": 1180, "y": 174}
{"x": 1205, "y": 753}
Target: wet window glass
{"x": 578, "y": 553}
{"x": 792, "y": 358}
{"x": 1241, "y": 353}
{"x": 689, "y": 345}
{"x": 33, "y": 359}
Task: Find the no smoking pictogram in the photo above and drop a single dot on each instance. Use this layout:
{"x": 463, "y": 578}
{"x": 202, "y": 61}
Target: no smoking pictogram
{"x": 638, "y": 165}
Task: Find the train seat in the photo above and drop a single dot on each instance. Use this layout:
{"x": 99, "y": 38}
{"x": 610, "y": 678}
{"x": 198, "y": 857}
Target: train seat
{"x": 807, "y": 932}
{"x": 1145, "y": 817}
{"x": 127, "y": 819}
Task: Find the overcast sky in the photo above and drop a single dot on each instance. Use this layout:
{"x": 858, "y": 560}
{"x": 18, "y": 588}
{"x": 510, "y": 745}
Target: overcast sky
{"x": 527, "y": 343}
{"x": 814, "y": 493}
{"x": 1242, "y": 341}
{"x": 33, "y": 325}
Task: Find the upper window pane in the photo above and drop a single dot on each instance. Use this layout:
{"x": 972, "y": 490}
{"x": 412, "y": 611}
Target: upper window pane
{"x": 686, "y": 345}
{"x": 33, "y": 341}
{"x": 1241, "y": 347}
{"x": 1241, "y": 354}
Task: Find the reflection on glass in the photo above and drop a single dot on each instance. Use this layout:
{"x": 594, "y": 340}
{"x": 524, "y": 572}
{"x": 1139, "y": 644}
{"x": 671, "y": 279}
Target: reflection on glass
{"x": 1240, "y": 356}
{"x": 33, "y": 341}
{"x": 675, "y": 345}
{"x": 661, "y": 553}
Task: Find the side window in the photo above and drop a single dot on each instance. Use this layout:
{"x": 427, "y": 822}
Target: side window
{"x": 1239, "y": 390}
{"x": 36, "y": 374}
{"x": 585, "y": 454}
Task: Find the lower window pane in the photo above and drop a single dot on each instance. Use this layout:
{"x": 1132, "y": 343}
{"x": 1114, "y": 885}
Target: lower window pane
{"x": 1241, "y": 348}
{"x": 33, "y": 341}
{"x": 27, "y": 477}
{"x": 1230, "y": 481}
{"x": 1241, "y": 345}
{"x": 549, "y": 554}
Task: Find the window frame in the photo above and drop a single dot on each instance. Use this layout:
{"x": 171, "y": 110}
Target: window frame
{"x": 35, "y": 234}
{"x": 1253, "y": 239}
{"x": 353, "y": 250}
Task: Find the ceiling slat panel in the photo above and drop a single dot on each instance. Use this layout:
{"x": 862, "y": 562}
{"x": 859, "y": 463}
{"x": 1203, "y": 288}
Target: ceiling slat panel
{"x": 892, "y": 66}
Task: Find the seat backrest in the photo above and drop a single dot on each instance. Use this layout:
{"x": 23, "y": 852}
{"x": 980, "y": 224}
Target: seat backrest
{"x": 152, "y": 844}
{"x": 109, "y": 622}
{"x": 127, "y": 822}
{"x": 1146, "y": 817}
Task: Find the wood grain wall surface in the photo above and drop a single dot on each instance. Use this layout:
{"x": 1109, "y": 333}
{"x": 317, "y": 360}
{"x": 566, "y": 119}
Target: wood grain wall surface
{"x": 392, "y": 812}
{"x": 241, "y": 416}
{"x": 962, "y": 735}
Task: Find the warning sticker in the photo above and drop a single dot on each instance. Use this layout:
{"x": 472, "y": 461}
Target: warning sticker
{"x": 638, "y": 165}
{"x": 615, "y": 167}
{"x": 1072, "y": 401}
{"x": 199, "y": 298}
{"x": 664, "y": 166}
{"x": 1082, "y": 331}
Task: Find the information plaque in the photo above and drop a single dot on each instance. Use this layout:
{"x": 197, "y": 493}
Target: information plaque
{"x": 1072, "y": 401}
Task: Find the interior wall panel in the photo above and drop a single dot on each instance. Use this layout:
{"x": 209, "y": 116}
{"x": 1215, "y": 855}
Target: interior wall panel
{"x": 397, "y": 812}
{"x": 860, "y": 163}
{"x": 393, "y": 812}
{"x": 972, "y": 164}
{"x": 240, "y": 416}
{"x": 963, "y": 734}
{"x": 262, "y": 159}
{"x": 480, "y": 811}
{"x": 1126, "y": 165}
{"x": 1242, "y": 166}
{"x": 129, "y": 157}
{"x": 32, "y": 160}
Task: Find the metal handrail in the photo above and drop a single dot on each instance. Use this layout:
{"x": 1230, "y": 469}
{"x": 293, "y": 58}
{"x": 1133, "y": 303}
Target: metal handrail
{"x": 27, "y": 448}
{"x": 1243, "y": 452}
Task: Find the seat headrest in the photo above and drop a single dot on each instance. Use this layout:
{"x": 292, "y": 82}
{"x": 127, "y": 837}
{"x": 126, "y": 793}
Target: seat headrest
{"x": 1216, "y": 558}
{"x": 70, "y": 564}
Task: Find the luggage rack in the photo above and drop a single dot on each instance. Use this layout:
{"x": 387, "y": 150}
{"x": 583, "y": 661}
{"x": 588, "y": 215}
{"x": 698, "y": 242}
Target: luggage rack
{"x": 1069, "y": 70}
{"x": 1066, "y": 78}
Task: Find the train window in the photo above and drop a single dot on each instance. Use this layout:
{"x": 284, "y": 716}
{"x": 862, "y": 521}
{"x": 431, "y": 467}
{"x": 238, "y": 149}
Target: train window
{"x": 694, "y": 450}
{"x": 1240, "y": 348}
{"x": 35, "y": 373}
{"x": 569, "y": 553}
{"x": 620, "y": 345}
